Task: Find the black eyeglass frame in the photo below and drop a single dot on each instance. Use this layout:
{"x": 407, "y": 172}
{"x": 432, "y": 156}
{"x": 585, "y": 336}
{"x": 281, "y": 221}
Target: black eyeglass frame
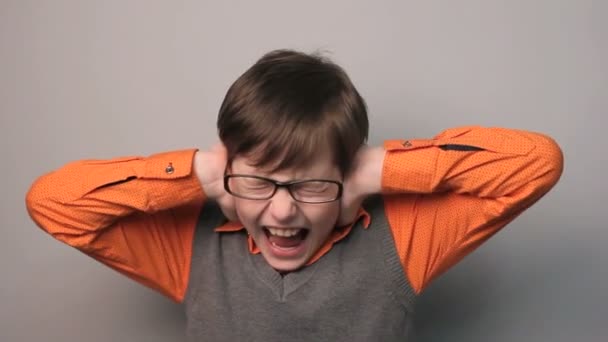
{"x": 278, "y": 185}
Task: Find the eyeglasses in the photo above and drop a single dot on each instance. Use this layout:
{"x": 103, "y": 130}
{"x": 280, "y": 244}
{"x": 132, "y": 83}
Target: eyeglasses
{"x": 261, "y": 188}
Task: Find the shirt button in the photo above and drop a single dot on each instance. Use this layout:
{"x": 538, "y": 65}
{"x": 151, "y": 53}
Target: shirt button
{"x": 169, "y": 169}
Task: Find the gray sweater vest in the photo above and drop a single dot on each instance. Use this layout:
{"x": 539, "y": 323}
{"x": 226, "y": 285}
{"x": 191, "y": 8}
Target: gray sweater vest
{"x": 356, "y": 292}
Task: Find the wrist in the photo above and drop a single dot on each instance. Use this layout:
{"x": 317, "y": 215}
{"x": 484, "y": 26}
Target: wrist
{"x": 370, "y": 171}
{"x": 209, "y": 167}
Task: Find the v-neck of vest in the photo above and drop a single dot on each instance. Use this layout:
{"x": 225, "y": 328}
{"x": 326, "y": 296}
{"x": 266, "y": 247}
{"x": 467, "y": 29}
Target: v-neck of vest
{"x": 281, "y": 285}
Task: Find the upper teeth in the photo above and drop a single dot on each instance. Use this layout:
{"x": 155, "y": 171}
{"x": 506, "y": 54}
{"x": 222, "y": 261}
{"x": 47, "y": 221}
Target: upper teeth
{"x": 287, "y": 232}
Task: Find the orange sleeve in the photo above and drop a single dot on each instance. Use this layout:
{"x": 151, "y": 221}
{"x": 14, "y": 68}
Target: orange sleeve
{"x": 134, "y": 214}
{"x": 447, "y": 195}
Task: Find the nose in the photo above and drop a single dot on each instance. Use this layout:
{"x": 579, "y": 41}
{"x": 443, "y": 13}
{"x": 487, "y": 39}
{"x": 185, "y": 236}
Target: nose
{"x": 282, "y": 206}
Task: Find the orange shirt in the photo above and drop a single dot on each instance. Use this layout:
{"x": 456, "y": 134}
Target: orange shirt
{"x": 443, "y": 198}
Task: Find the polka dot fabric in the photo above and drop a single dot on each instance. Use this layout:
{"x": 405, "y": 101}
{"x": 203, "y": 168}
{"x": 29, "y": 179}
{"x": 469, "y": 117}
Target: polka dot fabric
{"x": 130, "y": 213}
{"x": 447, "y": 199}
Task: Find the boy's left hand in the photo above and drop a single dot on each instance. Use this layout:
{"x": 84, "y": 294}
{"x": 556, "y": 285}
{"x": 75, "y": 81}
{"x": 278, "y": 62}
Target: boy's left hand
{"x": 364, "y": 179}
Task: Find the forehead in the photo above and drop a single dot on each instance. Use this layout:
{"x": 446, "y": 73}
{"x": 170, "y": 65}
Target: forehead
{"x": 320, "y": 166}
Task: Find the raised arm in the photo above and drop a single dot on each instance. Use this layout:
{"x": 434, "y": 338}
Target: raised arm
{"x": 134, "y": 214}
{"x": 446, "y": 195}
{"x": 453, "y": 192}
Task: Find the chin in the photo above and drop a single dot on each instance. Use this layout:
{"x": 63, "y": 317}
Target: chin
{"x": 284, "y": 266}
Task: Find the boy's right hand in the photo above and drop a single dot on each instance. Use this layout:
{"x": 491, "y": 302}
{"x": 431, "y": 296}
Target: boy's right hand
{"x": 209, "y": 167}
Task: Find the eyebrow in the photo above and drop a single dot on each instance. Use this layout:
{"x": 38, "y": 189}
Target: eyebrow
{"x": 267, "y": 173}
{"x": 290, "y": 179}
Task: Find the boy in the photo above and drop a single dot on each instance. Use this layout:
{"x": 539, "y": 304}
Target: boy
{"x": 292, "y": 228}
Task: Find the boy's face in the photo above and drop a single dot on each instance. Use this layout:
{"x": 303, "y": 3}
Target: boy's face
{"x": 286, "y": 231}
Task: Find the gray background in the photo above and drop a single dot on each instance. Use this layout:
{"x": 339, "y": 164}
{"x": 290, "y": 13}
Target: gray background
{"x": 85, "y": 79}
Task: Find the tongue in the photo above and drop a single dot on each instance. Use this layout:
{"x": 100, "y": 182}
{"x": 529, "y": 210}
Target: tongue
{"x": 286, "y": 242}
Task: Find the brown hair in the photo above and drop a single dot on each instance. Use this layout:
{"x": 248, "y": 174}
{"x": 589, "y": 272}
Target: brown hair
{"x": 289, "y": 106}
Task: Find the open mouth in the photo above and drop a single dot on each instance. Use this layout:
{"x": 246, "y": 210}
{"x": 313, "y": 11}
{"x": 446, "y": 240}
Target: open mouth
{"x": 286, "y": 242}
